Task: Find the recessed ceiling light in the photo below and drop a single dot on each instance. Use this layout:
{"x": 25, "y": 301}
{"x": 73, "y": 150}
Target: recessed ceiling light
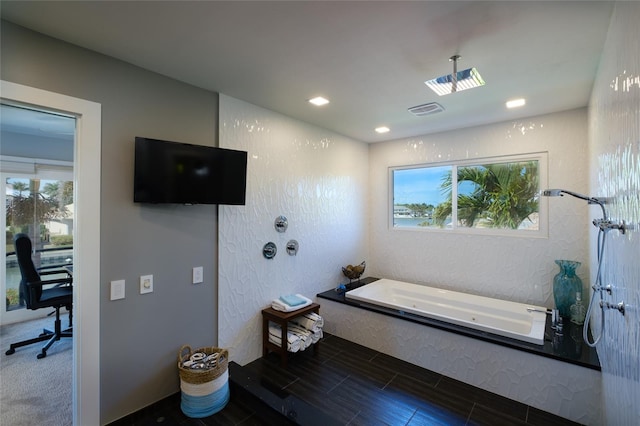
{"x": 319, "y": 101}
{"x": 382, "y": 129}
{"x": 515, "y": 103}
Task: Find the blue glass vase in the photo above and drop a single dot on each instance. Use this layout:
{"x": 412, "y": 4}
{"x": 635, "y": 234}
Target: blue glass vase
{"x": 565, "y": 286}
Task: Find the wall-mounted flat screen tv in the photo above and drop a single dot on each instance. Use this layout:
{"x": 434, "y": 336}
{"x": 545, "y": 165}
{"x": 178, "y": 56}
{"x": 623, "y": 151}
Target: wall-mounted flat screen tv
{"x": 173, "y": 172}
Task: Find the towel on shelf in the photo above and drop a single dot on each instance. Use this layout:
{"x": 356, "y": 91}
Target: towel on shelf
{"x": 311, "y": 321}
{"x": 316, "y": 336}
{"x": 294, "y": 344}
{"x": 281, "y": 306}
{"x": 292, "y": 299}
{"x": 303, "y": 334}
{"x": 319, "y": 321}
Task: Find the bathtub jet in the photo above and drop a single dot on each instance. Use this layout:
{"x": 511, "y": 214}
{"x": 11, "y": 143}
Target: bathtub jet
{"x": 514, "y": 320}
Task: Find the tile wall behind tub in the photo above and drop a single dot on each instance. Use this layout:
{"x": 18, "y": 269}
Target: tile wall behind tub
{"x": 315, "y": 178}
{"x": 512, "y": 268}
{"x": 614, "y": 140}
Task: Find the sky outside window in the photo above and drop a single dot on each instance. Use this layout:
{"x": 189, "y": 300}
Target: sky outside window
{"x": 419, "y": 185}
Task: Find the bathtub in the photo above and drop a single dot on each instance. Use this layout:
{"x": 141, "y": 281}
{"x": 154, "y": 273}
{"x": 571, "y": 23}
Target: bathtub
{"x": 508, "y": 319}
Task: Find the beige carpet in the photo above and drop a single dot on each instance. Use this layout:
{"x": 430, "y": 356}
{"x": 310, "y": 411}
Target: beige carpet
{"x": 35, "y": 391}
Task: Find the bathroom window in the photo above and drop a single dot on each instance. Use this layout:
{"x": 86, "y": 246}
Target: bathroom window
{"x": 499, "y": 195}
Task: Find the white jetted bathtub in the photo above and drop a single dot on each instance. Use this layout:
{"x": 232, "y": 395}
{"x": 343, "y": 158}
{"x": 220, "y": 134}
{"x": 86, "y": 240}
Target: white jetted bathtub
{"x": 508, "y": 319}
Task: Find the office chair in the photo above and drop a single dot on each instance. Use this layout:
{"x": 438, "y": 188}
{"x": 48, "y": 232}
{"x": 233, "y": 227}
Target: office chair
{"x": 59, "y": 293}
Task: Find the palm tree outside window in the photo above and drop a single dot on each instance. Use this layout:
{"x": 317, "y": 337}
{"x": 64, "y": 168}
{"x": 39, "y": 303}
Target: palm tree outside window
{"x": 493, "y": 195}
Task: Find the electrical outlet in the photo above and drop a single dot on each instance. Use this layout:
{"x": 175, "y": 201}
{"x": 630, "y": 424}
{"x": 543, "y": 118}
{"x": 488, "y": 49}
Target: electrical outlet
{"x": 197, "y": 275}
{"x": 117, "y": 289}
{"x": 146, "y": 284}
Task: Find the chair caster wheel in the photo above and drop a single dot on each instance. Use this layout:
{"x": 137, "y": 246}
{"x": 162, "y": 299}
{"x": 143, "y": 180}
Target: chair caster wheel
{"x": 10, "y": 351}
{"x": 41, "y": 355}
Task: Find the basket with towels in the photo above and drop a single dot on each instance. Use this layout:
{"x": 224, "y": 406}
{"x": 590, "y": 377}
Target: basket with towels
{"x": 204, "y": 380}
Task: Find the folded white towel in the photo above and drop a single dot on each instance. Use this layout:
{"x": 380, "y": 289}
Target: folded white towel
{"x": 294, "y": 344}
{"x": 279, "y": 305}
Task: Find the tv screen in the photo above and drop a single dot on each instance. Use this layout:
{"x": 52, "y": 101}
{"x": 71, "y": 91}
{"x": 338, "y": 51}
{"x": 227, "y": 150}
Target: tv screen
{"x": 173, "y": 172}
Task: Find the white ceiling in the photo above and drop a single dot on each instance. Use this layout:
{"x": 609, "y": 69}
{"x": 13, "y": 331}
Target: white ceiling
{"x": 370, "y": 59}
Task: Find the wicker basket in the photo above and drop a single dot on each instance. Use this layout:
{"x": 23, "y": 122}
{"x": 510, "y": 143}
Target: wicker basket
{"x": 200, "y": 376}
{"x": 205, "y": 391}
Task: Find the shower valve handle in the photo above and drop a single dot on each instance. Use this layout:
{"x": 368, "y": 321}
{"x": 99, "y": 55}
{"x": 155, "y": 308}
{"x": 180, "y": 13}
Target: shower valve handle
{"x": 618, "y": 306}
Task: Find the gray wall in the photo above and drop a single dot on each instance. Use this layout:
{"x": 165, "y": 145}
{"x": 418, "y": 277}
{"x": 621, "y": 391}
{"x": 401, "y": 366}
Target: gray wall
{"x": 141, "y": 334}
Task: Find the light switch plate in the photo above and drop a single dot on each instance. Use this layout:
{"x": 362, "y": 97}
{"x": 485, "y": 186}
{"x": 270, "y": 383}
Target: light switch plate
{"x": 197, "y": 275}
{"x": 146, "y": 284}
{"x": 117, "y": 289}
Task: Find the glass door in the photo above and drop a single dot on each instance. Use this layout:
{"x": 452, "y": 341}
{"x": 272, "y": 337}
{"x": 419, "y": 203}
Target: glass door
{"x": 36, "y": 170}
{"x": 43, "y": 209}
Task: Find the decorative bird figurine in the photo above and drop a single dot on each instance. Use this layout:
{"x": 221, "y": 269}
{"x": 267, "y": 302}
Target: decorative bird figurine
{"x": 354, "y": 272}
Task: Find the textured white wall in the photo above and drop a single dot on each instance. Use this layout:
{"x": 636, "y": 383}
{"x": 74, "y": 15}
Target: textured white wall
{"x": 512, "y": 268}
{"x": 322, "y": 181}
{"x": 314, "y": 177}
{"x": 614, "y": 147}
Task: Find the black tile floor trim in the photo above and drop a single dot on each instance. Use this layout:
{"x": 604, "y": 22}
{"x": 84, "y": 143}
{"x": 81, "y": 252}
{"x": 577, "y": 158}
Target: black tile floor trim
{"x": 348, "y": 384}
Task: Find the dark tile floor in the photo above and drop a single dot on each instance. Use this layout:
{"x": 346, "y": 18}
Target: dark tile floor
{"x": 348, "y": 384}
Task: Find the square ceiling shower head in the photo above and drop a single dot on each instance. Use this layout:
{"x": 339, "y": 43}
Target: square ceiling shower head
{"x": 457, "y": 81}
{"x": 467, "y": 79}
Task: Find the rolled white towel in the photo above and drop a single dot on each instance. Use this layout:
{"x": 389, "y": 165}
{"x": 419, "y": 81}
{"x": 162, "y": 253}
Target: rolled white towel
{"x": 303, "y": 334}
{"x": 317, "y": 318}
{"x": 311, "y": 321}
{"x": 294, "y": 343}
{"x": 316, "y": 336}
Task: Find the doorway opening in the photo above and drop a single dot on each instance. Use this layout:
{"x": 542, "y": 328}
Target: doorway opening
{"x": 86, "y": 237}
{"x": 36, "y": 170}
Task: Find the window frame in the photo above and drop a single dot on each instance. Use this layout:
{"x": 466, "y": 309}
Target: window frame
{"x": 543, "y": 214}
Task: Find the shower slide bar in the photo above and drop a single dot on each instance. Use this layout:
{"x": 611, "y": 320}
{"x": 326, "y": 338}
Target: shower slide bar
{"x": 604, "y": 225}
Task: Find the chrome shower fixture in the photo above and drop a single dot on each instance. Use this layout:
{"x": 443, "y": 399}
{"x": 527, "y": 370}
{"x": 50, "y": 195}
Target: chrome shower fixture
{"x": 604, "y": 225}
{"x": 560, "y": 192}
{"x": 620, "y": 307}
{"x": 457, "y": 81}
{"x": 589, "y": 200}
